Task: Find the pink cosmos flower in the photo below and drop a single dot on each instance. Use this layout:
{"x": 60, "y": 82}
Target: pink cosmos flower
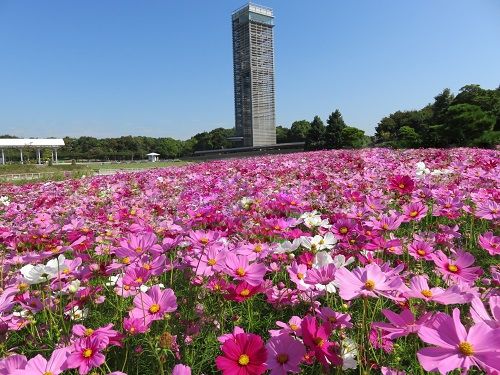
{"x": 230, "y": 336}
{"x": 420, "y": 250}
{"x": 316, "y": 338}
{"x": 414, "y": 211}
{"x": 40, "y": 366}
{"x": 391, "y": 371}
{"x": 243, "y": 355}
{"x": 134, "y": 326}
{"x": 87, "y": 354}
{"x": 479, "y": 313}
{"x": 401, "y": 324}
{"x": 458, "y": 348}
{"x": 370, "y": 281}
{"x": 242, "y": 291}
{"x": 322, "y": 278}
{"x": 298, "y": 273}
{"x": 284, "y": 354}
{"x": 12, "y": 363}
{"x": 211, "y": 260}
{"x": 335, "y": 319}
{"x": 490, "y": 243}
{"x": 457, "y": 269}
{"x": 292, "y": 327}
{"x": 154, "y": 304}
{"x": 385, "y": 222}
{"x": 419, "y": 288}
{"x": 237, "y": 266}
{"x": 106, "y": 333}
{"x": 181, "y": 370}
{"x": 489, "y": 210}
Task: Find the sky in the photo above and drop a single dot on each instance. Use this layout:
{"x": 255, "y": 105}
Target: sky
{"x": 164, "y": 68}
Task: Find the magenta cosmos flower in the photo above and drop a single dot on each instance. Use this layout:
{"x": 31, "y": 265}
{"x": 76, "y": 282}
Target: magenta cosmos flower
{"x": 237, "y": 266}
{"x": 87, "y": 354}
{"x": 457, "y": 348}
{"x": 243, "y": 355}
{"x": 154, "y": 304}
{"x": 490, "y": 243}
{"x": 316, "y": 339}
{"x": 284, "y": 354}
{"x": 400, "y": 325}
{"x": 40, "y": 366}
{"x": 370, "y": 281}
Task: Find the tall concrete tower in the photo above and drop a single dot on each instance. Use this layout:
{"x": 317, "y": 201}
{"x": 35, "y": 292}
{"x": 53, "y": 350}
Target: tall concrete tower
{"x": 253, "y": 63}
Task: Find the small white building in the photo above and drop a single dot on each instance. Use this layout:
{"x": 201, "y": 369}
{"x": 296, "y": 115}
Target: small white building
{"x": 31, "y": 143}
{"x": 153, "y": 157}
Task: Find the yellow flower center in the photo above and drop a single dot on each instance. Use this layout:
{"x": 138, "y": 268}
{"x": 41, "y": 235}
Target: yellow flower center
{"x": 452, "y": 268}
{"x": 146, "y": 266}
{"x": 300, "y": 275}
{"x": 138, "y": 280}
{"x": 211, "y": 262}
{"x": 370, "y": 285}
{"x": 154, "y": 308}
{"x": 245, "y": 292}
{"x": 332, "y": 319}
{"x": 413, "y": 213}
{"x": 466, "y": 348}
{"x": 318, "y": 341}
{"x": 88, "y": 332}
{"x": 126, "y": 260}
{"x": 240, "y": 271}
{"x": 282, "y": 358}
{"x": 401, "y": 186}
{"x": 48, "y": 373}
{"x": 343, "y": 230}
{"x": 426, "y": 293}
{"x": 385, "y": 226}
{"x": 204, "y": 240}
{"x": 87, "y": 353}
{"x": 243, "y": 360}
{"x": 138, "y": 250}
{"x": 294, "y": 327}
{"x": 421, "y": 252}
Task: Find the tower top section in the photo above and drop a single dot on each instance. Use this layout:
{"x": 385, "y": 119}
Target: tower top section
{"x": 254, "y": 12}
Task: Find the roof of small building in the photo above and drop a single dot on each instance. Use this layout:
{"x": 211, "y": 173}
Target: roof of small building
{"x": 152, "y": 154}
{"x": 31, "y": 142}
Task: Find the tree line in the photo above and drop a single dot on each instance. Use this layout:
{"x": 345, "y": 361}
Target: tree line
{"x": 471, "y": 118}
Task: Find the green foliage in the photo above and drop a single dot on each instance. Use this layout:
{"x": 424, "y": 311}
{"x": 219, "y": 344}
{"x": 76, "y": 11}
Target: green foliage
{"x": 316, "y": 136}
{"x": 352, "y": 137}
{"x": 336, "y": 124}
{"x": 282, "y": 134}
{"x": 299, "y": 131}
{"x": 462, "y": 120}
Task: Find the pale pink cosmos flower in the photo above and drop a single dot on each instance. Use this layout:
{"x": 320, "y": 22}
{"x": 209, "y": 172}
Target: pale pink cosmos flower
{"x": 154, "y": 304}
{"x": 292, "y": 327}
{"x": 238, "y": 267}
{"x": 181, "y": 370}
{"x": 370, "y": 281}
{"x": 458, "y": 348}
{"x": 457, "y": 268}
{"x": 419, "y": 288}
{"x": 40, "y": 366}
{"x": 489, "y": 242}
{"x": 284, "y": 355}
{"x": 298, "y": 273}
{"x": 401, "y": 324}
{"x": 479, "y": 313}
{"x": 12, "y": 363}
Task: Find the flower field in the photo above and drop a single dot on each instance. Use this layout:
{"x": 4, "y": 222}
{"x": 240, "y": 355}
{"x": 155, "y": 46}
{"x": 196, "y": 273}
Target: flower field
{"x": 338, "y": 262}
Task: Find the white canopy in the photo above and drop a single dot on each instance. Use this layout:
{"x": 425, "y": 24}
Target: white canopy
{"x": 152, "y": 154}
{"x": 28, "y": 142}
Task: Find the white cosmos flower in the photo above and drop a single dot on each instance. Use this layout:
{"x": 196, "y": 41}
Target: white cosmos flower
{"x": 74, "y": 286}
{"x": 322, "y": 259}
{"x": 113, "y": 279}
{"x": 4, "y": 201}
{"x": 287, "y": 246}
{"x": 340, "y": 261}
{"x": 39, "y": 273}
{"x": 348, "y": 353}
{"x": 77, "y": 314}
{"x": 56, "y": 266}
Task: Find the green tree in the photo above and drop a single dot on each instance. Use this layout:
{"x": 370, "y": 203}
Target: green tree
{"x": 282, "y": 134}
{"x": 466, "y": 122}
{"x": 408, "y": 138}
{"x": 334, "y": 129}
{"x": 316, "y": 136}
{"x": 299, "y": 131}
{"x": 352, "y": 137}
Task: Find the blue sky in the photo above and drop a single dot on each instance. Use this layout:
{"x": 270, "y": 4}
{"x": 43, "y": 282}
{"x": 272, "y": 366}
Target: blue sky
{"x": 164, "y": 68}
